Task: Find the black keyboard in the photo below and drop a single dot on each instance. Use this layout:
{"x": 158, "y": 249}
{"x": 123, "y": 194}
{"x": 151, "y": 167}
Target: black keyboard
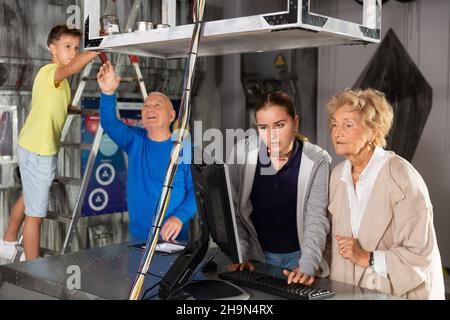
{"x": 276, "y": 286}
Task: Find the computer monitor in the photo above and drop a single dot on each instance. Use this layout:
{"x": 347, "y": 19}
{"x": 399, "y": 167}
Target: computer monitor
{"x": 215, "y": 205}
{"x": 216, "y": 217}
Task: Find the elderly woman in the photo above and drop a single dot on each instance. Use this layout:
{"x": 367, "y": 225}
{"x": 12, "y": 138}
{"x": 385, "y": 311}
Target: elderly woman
{"x": 382, "y": 218}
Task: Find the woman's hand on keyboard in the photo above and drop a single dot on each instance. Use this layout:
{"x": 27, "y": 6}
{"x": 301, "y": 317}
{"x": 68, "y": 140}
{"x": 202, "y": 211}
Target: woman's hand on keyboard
{"x": 241, "y": 266}
{"x": 296, "y": 276}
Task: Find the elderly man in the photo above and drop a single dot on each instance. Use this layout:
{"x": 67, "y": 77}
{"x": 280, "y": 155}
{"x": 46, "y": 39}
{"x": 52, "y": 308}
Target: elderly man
{"x": 148, "y": 153}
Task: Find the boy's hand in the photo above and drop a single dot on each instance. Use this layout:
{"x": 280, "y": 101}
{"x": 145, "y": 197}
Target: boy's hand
{"x": 107, "y": 79}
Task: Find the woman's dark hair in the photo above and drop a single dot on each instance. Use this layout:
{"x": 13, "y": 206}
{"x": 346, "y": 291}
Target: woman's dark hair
{"x": 59, "y": 30}
{"x": 282, "y": 100}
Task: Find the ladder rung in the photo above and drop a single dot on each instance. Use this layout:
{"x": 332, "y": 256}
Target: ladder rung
{"x": 75, "y": 145}
{"x": 127, "y": 79}
{"x": 89, "y": 78}
{"x": 48, "y": 252}
{"x": 78, "y": 111}
{"x": 67, "y": 180}
{"x": 124, "y": 79}
{"x": 59, "y": 217}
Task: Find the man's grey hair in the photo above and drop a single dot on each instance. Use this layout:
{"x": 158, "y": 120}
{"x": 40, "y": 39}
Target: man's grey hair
{"x": 157, "y": 93}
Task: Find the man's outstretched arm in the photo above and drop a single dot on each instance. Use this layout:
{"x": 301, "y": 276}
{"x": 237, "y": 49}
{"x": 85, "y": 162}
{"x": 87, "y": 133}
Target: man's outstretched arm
{"x": 109, "y": 81}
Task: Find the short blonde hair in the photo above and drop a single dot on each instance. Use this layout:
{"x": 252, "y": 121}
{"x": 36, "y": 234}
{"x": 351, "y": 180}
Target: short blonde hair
{"x": 375, "y": 110}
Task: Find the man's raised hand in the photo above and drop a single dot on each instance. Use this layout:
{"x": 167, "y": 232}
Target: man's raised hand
{"x": 107, "y": 79}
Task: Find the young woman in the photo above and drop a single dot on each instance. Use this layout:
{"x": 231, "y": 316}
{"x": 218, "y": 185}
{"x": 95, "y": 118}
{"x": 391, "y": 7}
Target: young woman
{"x": 280, "y": 188}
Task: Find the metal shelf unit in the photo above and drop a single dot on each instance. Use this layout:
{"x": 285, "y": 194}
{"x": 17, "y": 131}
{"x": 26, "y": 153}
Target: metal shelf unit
{"x": 295, "y": 28}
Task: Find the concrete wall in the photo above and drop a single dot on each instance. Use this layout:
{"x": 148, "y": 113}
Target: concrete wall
{"x": 423, "y": 28}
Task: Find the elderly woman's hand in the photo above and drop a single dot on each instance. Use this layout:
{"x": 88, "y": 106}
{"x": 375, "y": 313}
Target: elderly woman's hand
{"x": 295, "y": 276}
{"x": 350, "y": 249}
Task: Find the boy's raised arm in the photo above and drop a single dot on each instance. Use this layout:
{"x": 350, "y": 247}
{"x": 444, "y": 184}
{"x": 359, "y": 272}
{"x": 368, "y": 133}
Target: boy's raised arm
{"x": 74, "y": 66}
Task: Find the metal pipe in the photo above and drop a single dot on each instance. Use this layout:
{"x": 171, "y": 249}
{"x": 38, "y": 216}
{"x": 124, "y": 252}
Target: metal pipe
{"x": 371, "y": 14}
{"x": 169, "y": 12}
{"x": 92, "y": 11}
{"x": 129, "y": 25}
{"x": 183, "y": 119}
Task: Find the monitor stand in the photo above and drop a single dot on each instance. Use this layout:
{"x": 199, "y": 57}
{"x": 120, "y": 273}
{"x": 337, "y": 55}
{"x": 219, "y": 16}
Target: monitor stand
{"x": 211, "y": 290}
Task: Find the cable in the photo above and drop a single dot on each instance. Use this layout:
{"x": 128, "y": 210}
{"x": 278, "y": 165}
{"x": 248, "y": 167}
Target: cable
{"x": 164, "y": 197}
{"x": 212, "y": 256}
{"x": 155, "y": 275}
{"x": 152, "y": 287}
{"x": 150, "y": 298}
{"x": 146, "y": 291}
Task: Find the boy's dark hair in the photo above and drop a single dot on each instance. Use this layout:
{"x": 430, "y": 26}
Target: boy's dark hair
{"x": 59, "y": 30}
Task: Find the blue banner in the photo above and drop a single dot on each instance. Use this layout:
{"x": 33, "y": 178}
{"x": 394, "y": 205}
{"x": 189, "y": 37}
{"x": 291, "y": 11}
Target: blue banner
{"x": 106, "y": 192}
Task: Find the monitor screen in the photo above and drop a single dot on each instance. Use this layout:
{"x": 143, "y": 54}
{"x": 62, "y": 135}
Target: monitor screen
{"x": 215, "y": 203}
{"x": 217, "y": 218}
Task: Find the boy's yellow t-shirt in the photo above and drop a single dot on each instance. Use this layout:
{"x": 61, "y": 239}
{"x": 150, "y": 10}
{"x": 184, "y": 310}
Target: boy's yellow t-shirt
{"x": 41, "y": 132}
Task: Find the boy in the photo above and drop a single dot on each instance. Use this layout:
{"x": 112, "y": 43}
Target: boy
{"x": 40, "y": 136}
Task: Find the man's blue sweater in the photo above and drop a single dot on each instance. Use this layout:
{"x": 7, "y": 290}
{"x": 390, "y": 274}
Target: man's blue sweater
{"x": 147, "y": 164}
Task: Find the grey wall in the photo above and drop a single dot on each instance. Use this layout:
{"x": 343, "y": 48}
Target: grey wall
{"x": 25, "y": 26}
{"x": 301, "y": 69}
{"x": 423, "y": 28}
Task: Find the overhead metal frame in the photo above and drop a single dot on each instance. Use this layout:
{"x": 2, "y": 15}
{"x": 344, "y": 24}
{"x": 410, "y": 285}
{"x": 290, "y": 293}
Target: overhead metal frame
{"x": 297, "y": 27}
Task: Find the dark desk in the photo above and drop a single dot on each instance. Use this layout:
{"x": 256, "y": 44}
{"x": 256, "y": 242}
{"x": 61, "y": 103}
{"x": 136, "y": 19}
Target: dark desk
{"x": 108, "y": 273}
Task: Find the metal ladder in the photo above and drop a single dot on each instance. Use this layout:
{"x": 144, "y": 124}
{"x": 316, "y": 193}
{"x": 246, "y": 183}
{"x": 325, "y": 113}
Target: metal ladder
{"x": 75, "y": 110}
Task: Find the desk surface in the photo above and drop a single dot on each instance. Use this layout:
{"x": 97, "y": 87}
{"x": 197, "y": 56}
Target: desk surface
{"x": 108, "y": 273}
